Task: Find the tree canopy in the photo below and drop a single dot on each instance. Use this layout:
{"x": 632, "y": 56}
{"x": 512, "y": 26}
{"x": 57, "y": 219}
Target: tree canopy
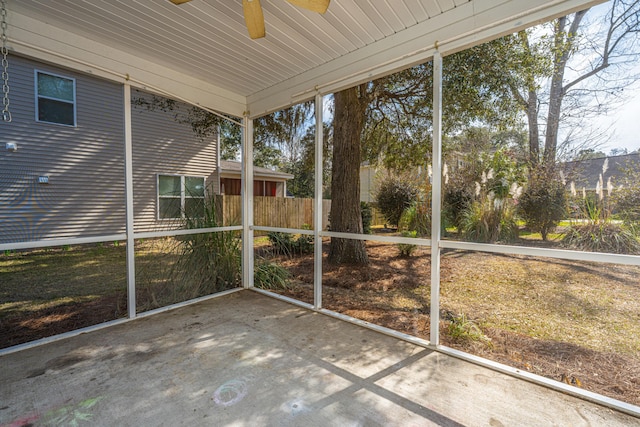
{"x": 569, "y": 71}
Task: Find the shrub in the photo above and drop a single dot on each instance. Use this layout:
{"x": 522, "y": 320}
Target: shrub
{"x": 304, "y": 244}
{"x": 367, "y": 215}
{"x": 393, "y": 196}
{"x": 543, "y": 203}
{"x": 285, "y": 243}
{"x": 269, "y": 275}
{"x": 406, "y": 249}
{"x": 456, "y": 201}
{"x": 626, "y": 204}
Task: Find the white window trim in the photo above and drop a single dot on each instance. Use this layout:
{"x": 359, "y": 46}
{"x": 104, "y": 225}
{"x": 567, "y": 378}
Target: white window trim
{"x": 183, "y": 195}
{"x": 38, "y": 96}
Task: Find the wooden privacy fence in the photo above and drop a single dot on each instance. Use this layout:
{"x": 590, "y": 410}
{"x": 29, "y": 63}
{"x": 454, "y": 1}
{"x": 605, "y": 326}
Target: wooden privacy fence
{"x": 283, "y": 212}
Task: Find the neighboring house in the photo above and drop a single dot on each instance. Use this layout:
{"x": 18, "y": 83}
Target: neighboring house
{"x": 371, "y": 176}
{"x": 456, "y": 161}
{"x": 62, "y": 159}
{"x": 266, "y": 182}
{"x": 586, "y": 173}
{"x": 62, "y": 156}
{"x": 369, "y": 181}
{"x": 173, "y": 169}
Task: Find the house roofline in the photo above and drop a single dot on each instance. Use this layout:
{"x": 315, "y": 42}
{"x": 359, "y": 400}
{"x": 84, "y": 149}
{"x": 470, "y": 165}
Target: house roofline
{"x": 232, "y": 169}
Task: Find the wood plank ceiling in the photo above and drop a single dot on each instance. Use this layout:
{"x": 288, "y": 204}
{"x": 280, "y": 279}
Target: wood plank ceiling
{"x": 207, "y": 39}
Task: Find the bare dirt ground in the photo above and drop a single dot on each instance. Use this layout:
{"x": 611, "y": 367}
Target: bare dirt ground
{"x": 569, "y": 321}
{"x": 48, "y": 321}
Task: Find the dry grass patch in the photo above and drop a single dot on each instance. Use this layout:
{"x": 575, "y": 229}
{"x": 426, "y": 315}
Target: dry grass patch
{"x": 596, "y": 306}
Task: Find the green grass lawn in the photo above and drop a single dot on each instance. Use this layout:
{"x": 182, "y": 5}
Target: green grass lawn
{"x": 39, "y": 279}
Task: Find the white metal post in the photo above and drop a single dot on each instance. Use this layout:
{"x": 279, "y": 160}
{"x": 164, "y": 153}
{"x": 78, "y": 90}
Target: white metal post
{"x": 317, "y": 221}
{"x": 128, "y": 180}
{"x": 218, "y": 166}
{"x": 436, "y": 195}
{"x": 247, "y": 203}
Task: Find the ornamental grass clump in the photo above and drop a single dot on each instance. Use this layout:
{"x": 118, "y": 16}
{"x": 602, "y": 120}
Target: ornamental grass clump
{"x": 407, "y": 249}
{"x": 270, "y": 275}
{"x": 596, "y": 230}
{"x": 417, "y": 217}
{"x": 462, "y": 328}
{"x": 490, "y": 215}
{"x": 490, "y": 220}
{"x": 206, "y": 262}
{"x": 603, "y": 236}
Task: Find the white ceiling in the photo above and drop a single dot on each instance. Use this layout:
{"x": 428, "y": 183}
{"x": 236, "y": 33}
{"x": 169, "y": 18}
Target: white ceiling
{"x": 201, "y": 50}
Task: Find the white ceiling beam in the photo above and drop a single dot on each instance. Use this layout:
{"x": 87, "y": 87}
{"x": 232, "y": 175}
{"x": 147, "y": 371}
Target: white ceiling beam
{"x": 469, "y": 24}
{"x": 42, "y": 41}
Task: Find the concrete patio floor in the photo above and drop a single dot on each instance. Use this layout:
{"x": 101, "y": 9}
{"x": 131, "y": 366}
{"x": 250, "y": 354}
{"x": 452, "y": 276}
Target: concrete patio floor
{"x": 246, "y": 359}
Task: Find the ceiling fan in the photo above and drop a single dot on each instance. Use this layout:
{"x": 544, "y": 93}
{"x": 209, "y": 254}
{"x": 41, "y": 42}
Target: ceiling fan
{"x": 254, "y": 19}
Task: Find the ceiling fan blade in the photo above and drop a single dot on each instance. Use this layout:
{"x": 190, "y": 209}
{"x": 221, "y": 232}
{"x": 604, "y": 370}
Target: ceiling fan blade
{"x": 319, "y": 6}
{"x": 254, "y": 18}
{"x": 179, "y": 1}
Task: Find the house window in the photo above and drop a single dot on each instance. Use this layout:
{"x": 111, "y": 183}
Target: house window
{"x": 180, "y": 196}
{"x": 55, "y": 99}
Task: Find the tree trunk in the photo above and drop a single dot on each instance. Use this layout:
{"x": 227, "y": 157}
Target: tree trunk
{"x": 345, "y": 214}
{"x": 529, "y": 102}
{"x": 553, "y": 118}
{"x": 562, "y": 50}
{"x": 534, "y": 135}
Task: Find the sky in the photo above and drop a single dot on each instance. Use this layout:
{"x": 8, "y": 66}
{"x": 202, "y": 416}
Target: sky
{"x": 625, "y": 123}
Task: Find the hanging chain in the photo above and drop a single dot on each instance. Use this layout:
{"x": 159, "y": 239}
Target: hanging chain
{"x": 6, "y": 114}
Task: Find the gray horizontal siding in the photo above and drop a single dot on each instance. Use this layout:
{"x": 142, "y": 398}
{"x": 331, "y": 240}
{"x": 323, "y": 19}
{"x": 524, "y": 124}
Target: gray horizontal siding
{"x": 85, "y": 195}
{"x": 85, "y": 164}
{"x": 163, "y": 145}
